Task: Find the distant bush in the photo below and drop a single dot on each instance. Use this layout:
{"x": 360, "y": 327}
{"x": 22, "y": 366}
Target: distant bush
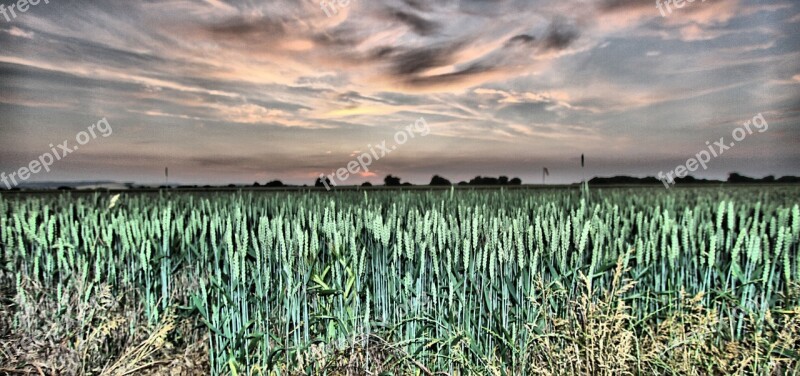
{"x": 438, "y": 180}
{"x": 391, "y": 181}
{"x": 320, "y": 183}
{"x": 502, "y": 180}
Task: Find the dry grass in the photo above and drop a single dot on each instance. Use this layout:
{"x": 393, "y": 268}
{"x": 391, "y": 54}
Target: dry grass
{"x": 599, "y": 337}
{"x": 91, "y": 337}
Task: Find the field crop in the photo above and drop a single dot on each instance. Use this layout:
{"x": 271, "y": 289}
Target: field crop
{"x": 520, "y": 282}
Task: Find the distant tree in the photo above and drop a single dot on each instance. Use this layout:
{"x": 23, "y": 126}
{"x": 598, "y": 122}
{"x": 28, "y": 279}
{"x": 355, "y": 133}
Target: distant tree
{"x": 274, "y": 184}
{"x": 366, "y": 184}
{"x": 256, "y": 184}
{"x": 736, "y": 178}
{"x": 438, "y": 180}
{"x": 391, "y": 181}
{"x": 463, "y": 183}
{"x": 322, "y": 183}
{"x": 231, "y": 185}
{"x": 483, "y": 181}
{"x": 61, "y": 188}
{"x": 789, "y": 179}
{"x": 502, "y": 180}
{"x": 407, "y": 184}
{"x": 688, "y": 179}
{"x": 623, "y": 180}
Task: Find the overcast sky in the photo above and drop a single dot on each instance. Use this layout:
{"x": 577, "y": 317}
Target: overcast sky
{"x": 242, "y": 91}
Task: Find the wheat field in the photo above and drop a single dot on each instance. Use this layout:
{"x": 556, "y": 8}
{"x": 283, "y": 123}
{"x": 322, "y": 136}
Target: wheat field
{"x": 457, "y": 282}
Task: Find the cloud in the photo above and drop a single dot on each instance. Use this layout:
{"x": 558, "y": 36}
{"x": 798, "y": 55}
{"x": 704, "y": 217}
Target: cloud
{"x": 17, "y": 32}
{"x": 560, "y": 35}
{"x": 509, "y": 97}
{"x": 420, "y": 25}
{"x": 503, "y": 78}
{"x": 522, "y": 39}
{"x": 623, "y": 5}
{"x": 702, "y": 20}
{"x": 417, "y": 61}
{"x": 419, "y": 5}
{"x": 695, "y": 32}
{"x": 264, "y": 27}
{"x": 467, "y": 76}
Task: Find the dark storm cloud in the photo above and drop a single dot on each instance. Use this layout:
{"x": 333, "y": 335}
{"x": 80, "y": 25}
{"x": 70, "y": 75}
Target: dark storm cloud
{"x": 560, "y": 35}
{"x": 522, "y": 39}
{"x": 409, "y": 65}
{"x": 419, "y": 60}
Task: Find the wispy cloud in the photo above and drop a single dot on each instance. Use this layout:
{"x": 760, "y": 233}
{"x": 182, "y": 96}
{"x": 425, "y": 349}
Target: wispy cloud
{"x": 237, "y": 90}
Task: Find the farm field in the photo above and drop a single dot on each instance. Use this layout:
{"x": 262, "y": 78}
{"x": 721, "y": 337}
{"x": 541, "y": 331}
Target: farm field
{"x": 457, "y": 282}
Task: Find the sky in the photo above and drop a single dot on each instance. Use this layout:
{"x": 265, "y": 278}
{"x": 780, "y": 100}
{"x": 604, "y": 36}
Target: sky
{"x": 224, "y": 91}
